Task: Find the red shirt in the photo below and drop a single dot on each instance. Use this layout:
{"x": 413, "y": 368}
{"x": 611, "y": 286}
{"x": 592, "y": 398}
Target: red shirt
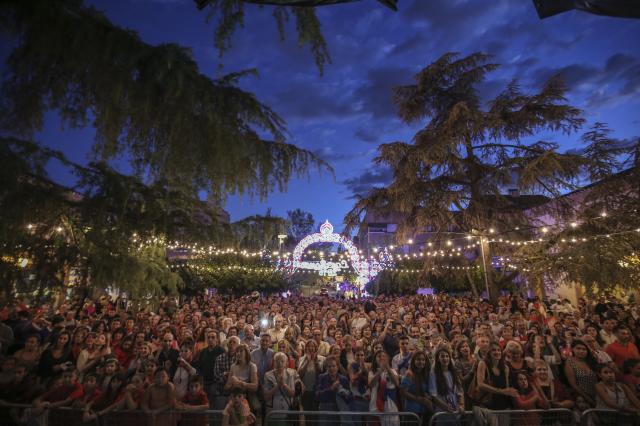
{"x": 619, "y": 353}
{"x": 199, "y": 398}
{"x": 62, "y": 392}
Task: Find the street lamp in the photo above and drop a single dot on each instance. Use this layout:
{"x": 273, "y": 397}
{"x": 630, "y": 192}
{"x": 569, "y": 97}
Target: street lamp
{"x": 281, "y": 238}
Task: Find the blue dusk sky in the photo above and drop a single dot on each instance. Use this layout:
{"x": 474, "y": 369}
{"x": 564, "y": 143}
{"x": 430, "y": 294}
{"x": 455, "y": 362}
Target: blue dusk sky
{"x": 345, "y": 114}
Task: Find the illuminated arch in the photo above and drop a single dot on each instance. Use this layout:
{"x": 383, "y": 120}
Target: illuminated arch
{"x": 366, "y": 270}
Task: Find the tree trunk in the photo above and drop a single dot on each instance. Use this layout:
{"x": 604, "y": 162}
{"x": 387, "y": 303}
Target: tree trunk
{"x": 472, "y": 284}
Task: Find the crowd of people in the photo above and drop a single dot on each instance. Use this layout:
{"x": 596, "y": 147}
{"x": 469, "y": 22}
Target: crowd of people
{"x": 250, "y": 355}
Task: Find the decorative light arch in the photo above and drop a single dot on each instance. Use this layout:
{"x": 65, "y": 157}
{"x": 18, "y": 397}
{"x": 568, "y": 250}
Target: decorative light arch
{"x": 366, "y": 270}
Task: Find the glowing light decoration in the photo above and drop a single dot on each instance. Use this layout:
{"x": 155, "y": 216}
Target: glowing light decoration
{"x": 366, "y": 270}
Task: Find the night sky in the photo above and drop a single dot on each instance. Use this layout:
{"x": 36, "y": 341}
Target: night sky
{"x": 344, "y": 115}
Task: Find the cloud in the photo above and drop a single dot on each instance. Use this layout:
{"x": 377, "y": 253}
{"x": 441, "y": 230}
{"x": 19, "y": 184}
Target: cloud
{"x": 375, "y": 95}
{"x": 618, "y": 78}
{"x": 366, "y": 135}
{"x": 371, "y": 178}
{"x": 328, "y": 154}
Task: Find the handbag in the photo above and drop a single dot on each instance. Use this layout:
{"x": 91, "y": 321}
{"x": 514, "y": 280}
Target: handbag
{"x": 478, "y": 395}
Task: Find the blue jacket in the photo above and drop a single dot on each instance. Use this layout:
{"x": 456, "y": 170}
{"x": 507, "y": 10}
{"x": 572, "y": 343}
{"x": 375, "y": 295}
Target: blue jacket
{"x": 324, "y": 393}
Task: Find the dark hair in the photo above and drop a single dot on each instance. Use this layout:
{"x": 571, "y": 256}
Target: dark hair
{"x": 374, "y": 364}
{"x": 488, "y": 359}
{"x": 592, "y": 362}
{"x": 196, "y": 378}
{"x": 420, "y": 377}
{"x": 629, "y": 364}
{"x": 442, "y": 385}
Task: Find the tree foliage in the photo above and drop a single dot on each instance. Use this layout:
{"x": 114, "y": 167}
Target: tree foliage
{"x": 259, "y": 232}
{"x": 231, "y": 274}
{"x": 109, "y": 230}
{"x": 301, "y": 224}
{"x": 147, "y": 103}
{"x": 596, "y": 241}
{"x": 453, "y": 173}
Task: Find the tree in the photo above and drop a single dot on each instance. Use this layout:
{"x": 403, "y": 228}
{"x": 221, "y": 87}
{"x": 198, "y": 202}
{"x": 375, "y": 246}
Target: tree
{"x": 300, "y": 225}
{"x": 259, "y": 232}
{"x": 453, "y": 173}
{"x": 230, "y": 14}
{"x": 149, "y": 104}
{"x": 110, "y": 230}
{"x": 596, "y": 240}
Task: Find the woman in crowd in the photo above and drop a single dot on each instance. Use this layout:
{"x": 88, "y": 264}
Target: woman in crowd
{"x": 311, "y": 366}
{"x": 493, "y": 377}
{"x": 579, "y": 370}
{"x": 243, "y": 375}
{"x": 184, "y": 370}
{"x": 383, "y": 382}
{"x": 29, "y": 356}
{"x": 444, "y": 384}
{"x": 57, "y": 357}
{"x": 415, "y": 387}
{"x": 528, "y": 399}
{"x": 279, "y": 385}
{"x": 551, "y": 390}
{"x": 332, "y": 389}
{"x": 359, "y": 384}
{"x": 613, "y": 395}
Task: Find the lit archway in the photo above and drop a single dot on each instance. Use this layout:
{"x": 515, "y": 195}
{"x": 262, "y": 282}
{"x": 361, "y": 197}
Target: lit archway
{"x": 365, "y": 269}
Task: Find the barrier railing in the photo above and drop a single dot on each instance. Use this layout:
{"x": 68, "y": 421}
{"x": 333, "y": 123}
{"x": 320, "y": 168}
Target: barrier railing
{"x": 22, "y": 414}
{"x": 342, "y": 418}
{"x": 597, "y": 417}
{"x": 479, "y": 416}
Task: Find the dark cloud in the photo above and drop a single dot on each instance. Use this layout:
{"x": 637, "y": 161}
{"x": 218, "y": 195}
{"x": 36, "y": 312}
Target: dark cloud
{"x": 366, "y": 135}
{"x": 409, "y": 45}
{"x": 573, "y": 75}
{"x": 308, "y": 99}
{"x": 330, "y": 155}
{"x": 617, "y": 78}
{"x": 371, "y": 178}
{"x": 375, "y": 96}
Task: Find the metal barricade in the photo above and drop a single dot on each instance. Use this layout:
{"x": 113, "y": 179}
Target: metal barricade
{"x": 23, "y": 414}
{"x": 167, "y": 418}
{"x": 342, "y": 418}
{"x": 597, "y": 417}
{"x": 552, "y": 417}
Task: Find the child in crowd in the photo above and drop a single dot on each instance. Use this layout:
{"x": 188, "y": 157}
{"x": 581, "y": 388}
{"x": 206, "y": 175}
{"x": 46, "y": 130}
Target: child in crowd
{"x": 237, "y": 411}
{"x": 612, "y": 395}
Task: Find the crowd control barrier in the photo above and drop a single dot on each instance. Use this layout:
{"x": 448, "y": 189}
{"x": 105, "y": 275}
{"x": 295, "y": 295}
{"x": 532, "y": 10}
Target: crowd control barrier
{"x": 596, "y": 417}
{"x": 483, "y": 416}
{"x": 340, "y": 418}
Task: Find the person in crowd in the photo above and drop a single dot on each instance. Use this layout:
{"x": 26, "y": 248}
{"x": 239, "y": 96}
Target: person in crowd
{"x": 237, "y": 411}
{"x": 332, "y": 389}
{"x": 623, "y": 348}
{"x": 159, "y": 398}
{"x": 383, "y": 383}
{"x": 400, "y": 361}
{"x": 444, "y": 384}
{"x": 244, "y": 375}
{"x": 57, "y": 357}
{"x": 579, "y": 370}
{"x": 528, "y": 398}
{"x": 280, "y": 385}
{"x": 184, "y": 372}
{"x": 205, "y": 359}
{"x": 250, "y": 338}
{"x": 492, "y": 377}
{"x": 109, "y": 400}
{"x": 552, "y": 390}
{"x": 311, "y": 365}
{"x": 221, "y": 371}
{"x": 631, "y": 368}
{"x": 613, "y": 395}
{"x": 167, "y": 356}
{"x": 61, "y": 394}
{"x": 29, "y": 355}
{"x": 414, "y": 387}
